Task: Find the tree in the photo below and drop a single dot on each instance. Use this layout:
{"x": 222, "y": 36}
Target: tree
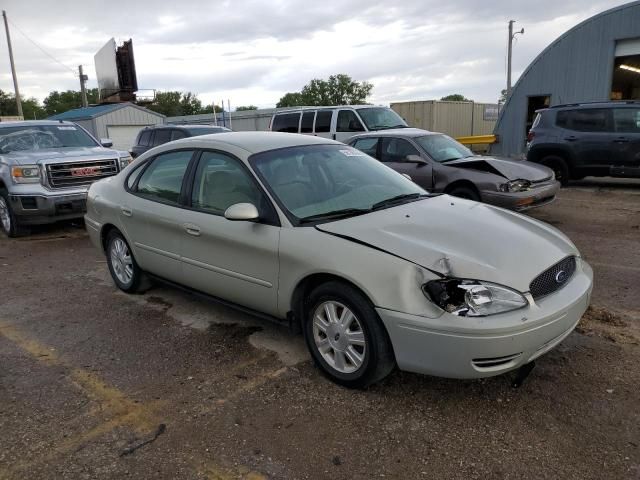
{"x": 175, "y": 103}
{"x": 244, "y": 108}
{"x": 59, "y": 102}
{"x": 455, "y": 97}
{"x": 338, "y": 89}
{"x": 31, "y": 108}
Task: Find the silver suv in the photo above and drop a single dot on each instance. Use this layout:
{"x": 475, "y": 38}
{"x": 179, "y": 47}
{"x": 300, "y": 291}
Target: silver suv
{"x": 46, "y": 168}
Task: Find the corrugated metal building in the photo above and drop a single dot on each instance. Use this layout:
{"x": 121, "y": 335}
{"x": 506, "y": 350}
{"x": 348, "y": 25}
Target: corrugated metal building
{"x": 582, "y": 65}
{"x": 119, "y": 122}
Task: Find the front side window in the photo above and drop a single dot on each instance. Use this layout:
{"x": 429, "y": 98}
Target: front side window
{"x": 163, "y": 135}
{"x": 589, "y": 120}
{"x": 367, "y": 145}
{"x": 381, "y": 118}
{"x": 323, "y": 121}
{"x": 162, "y": 180}
{"x": 442, "y": 148}
{"x": 396, "y": 150}
{"x": 42, "y": 137}
{"x": 348, "y": 122}
{"x": 220, "y": 182}
{"x": 324, "y": 180}
{"x": 286, "y": 122}
{"x": 626, "y": 120}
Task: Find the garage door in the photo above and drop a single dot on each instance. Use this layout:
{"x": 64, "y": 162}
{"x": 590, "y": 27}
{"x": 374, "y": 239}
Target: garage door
{"x": 123, "y": 136}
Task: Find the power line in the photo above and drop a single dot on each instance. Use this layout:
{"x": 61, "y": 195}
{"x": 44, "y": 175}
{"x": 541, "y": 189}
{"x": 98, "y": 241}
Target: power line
{"x": 42, "y": 49}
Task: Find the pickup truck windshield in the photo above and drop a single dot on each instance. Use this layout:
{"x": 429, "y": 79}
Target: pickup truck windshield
{"x": 41, "y": 137}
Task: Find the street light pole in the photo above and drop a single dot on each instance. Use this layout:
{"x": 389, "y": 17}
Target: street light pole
{"x": 83, "y": 89}
{"x": 13, "y": 66}
{"x": 509, "y": 53}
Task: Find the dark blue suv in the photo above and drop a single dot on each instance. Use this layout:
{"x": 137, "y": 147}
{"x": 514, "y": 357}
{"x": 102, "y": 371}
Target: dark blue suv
{"x": 587, "y": 139}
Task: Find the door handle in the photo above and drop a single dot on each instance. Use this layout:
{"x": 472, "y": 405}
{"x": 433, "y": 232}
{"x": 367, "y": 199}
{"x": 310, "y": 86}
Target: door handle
{"x": 192, "y": 229}
{"x": 621, "y": 140}
{"x": 571, "y": 138}
{"x": 126, "y": 211}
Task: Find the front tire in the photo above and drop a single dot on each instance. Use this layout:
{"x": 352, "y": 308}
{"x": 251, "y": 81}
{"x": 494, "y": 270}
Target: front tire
{"x": 123, "y": 267}
{"x": 465, "y": 192}
{"x": 345, "y": 336}
{"x": 559, "y": 167}
{"x": 8, "y": 221}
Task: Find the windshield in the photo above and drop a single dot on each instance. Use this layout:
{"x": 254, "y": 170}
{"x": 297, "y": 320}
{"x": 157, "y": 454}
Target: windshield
{"x": 442, "y": 148}
{"x": 317, "y": 180}
{"x": 380, "y": 118}
{"x": 195, "y": 131}
{"x": 41, "y": 137}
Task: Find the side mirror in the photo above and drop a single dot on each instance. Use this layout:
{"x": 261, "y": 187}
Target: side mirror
{"x": 408, "y": 177}
{"x": 106, "y": 142}
{"x": 242, "y": 211}
{"x": 416, "y": 159}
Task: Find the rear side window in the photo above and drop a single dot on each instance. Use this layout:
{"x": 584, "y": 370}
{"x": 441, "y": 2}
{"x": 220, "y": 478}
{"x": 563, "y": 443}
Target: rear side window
{"x": 177, "y": 134}
{"x": 585, "y": 120}
{"x": 286, "y": 122}
{"x": 368, "y": 146}
{"x": 306, "y": 126}
{"x": 145, "y": 138}
{"x": 162, "y": 136}
{"x": 626, "y": 120}
{"x": 562, "y": 119}
{"x": 348, "y": 122}
{"x": 323, "y": 121}
{"x": 162, "y": 181}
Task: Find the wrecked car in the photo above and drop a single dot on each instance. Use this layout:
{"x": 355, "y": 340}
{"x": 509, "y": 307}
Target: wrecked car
{"x": 375, "y": 271}
{"x": 438, "y": 163}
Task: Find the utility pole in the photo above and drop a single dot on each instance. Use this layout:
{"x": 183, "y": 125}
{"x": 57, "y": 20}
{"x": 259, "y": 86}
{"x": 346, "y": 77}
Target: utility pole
{"x": 13, "y": 66}
{"x": 83, "y": 89}
{"x": 509, "y": 52}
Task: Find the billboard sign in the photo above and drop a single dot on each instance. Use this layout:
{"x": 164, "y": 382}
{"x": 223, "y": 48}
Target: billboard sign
{"x": 107, "y": 70}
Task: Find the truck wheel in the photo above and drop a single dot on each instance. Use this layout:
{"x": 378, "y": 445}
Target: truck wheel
{"x": 8, "y": 221}
{"x": 124, "y": 269}
{"x": 345, "y": 336}
{"x": 559, "y": 167}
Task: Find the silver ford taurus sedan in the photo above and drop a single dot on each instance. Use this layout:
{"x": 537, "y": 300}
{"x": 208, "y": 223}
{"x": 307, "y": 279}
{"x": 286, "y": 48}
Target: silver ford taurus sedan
{"x": 374, "y": 270}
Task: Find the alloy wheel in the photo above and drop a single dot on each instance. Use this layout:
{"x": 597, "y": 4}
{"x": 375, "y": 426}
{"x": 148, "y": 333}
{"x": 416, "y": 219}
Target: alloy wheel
{"x": 121, "y": 260}
{"x": 339, "y": 337}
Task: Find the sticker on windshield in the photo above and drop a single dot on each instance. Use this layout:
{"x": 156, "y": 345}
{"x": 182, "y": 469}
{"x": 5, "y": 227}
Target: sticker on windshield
{"x": 66, "y": 127}
{"x": 353, "y": 153}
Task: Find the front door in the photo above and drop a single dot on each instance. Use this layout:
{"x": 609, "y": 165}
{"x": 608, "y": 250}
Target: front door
{"x": 233, "y": 260}
{"x": 394, "y": 152}
{"x": 626, "y": 141}
{"x": 150, "y": 214}
{"x": 347, "y": 125}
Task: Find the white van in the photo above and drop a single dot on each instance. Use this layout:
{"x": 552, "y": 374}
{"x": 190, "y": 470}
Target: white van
{"x": 337, "y": 123}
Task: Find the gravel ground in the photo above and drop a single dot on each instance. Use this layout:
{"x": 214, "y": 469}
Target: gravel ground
{"x": 98, "y": 384}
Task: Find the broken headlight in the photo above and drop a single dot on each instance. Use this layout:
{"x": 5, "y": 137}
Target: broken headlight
{"x": 472, "y": 298}
{"x": 519, "y": 185}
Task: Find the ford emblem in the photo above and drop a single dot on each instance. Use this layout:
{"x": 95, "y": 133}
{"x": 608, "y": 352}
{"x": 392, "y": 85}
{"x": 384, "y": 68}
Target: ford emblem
{"x": 561, "y": 276}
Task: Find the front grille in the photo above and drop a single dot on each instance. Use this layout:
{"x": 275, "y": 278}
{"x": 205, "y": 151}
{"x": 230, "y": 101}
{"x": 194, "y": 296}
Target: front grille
{"x": 553, "y": 278}
{"x": 75, "y": 174}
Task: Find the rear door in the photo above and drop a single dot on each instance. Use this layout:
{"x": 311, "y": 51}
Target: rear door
{"x": 234, "y": 260}
{"x": 626, "y": 143}
{"x": 394, "y": 152}
{"x": 589, "y": 134}
{"x": 348, "y": 124}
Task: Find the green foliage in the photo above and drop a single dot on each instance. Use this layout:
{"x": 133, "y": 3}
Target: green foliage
{"x": 244, "y": 108}
{"x": 59, "y": 102}
{"x": 338, "y": 89}
{"x": 174, "y": 103}
{"x": 455, "y": 97}
{"x": 31, "y": 108}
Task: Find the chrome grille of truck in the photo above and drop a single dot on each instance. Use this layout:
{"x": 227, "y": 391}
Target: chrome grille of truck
{"x": 553, "y": 278}
{"x": 75, "y": 174}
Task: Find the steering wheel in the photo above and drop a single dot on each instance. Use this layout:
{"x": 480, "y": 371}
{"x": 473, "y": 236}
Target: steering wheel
{"x": 346, "y": 186}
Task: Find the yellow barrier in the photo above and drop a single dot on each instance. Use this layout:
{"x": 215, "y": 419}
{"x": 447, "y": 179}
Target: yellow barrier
{"x": 478, "y": 140}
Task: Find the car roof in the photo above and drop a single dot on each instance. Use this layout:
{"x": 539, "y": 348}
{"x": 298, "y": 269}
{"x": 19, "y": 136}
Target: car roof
{"x": 326, "y": 107}
{"x": 185, "y": 125}
{"x": 34, "y": 123}
{"x": 397, "y": 132}
{"x": 601, "y": 104}
{"x": 255, "y": 142}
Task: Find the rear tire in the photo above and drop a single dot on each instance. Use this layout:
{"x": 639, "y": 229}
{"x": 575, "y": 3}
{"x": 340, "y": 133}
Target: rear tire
{"x": 464, "y": 192}
{"x": 345, "y": 336}
{"x": 559, "y": 167}
{"x": 123, "y": 267}
{"x": 8, "y": 221}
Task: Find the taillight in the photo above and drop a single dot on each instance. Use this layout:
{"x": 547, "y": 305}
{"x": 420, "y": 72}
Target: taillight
{"x": 530, "y": 136}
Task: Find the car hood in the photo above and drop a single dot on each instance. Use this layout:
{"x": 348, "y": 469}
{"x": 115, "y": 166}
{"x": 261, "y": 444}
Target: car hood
{"x": 57, "y": 155}
{"x": 507, "y": 168}
{"x": 461, "y": 238}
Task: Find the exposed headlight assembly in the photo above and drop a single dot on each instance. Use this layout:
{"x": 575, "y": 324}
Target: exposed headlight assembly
{"x": 124, "y": 161}
{"x": 472, "y": 298}
{"x": 26, "y": 174}
{"x": 519, "y": 185}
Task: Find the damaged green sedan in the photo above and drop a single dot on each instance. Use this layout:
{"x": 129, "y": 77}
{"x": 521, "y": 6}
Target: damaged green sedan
{"x": 377, "y": 272}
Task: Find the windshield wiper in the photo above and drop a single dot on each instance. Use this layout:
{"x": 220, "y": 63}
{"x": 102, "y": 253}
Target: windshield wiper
{"x": 397, "y": 199}
{"x": 388, "y": 127}
{"x": 334, "y": 214}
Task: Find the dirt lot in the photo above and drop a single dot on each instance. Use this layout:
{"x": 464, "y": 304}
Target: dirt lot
{"x": 98, "y": 384}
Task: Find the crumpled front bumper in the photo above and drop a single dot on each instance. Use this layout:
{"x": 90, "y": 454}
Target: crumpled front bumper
{"x": 465, "y": 347}
{"x": 539, "y": 195}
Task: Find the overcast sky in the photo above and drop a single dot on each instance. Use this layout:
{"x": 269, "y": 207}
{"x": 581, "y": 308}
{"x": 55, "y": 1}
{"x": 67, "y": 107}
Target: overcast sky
{"x": 252, "y": 52}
